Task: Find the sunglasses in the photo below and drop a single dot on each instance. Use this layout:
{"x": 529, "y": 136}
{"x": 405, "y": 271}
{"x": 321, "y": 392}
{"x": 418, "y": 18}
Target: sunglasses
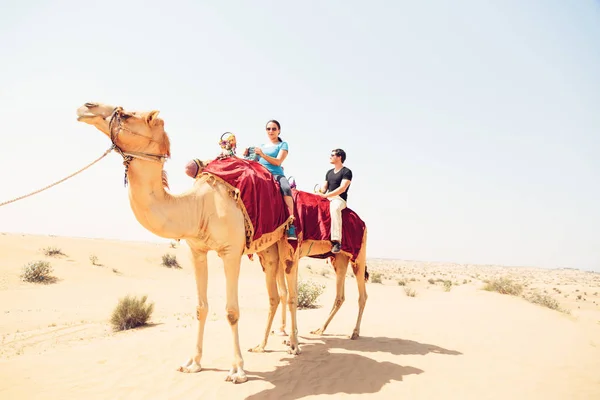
{"x": 271, "y": 129}
{"x": 333, "y": 155}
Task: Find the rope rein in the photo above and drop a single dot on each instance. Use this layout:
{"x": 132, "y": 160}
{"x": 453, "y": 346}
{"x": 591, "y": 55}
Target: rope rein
{"x": 60, "y": 181}
{"x": 115, "y": 128}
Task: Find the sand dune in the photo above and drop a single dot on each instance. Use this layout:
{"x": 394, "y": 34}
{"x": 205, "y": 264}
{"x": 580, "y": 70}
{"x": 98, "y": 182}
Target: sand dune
{"x": 464, "y": 343}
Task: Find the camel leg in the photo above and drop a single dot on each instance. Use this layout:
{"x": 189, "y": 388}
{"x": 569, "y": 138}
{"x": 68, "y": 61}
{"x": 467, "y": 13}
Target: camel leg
{"x": 232, "y": 262}
{"x": 269, "y": 260}
{"x": 362, "y": 295}
{"x": 283, "y": 296}
{"x": 340, "y": 265}
{"x": 291, "y": 276}
{"x": 201, "y": 273}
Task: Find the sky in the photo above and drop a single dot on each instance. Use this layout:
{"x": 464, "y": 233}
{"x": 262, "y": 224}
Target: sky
{"x": 472, "y": 127}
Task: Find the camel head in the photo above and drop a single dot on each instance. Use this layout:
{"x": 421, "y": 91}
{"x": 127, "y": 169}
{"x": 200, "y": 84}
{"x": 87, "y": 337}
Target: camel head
{"x": 137, "y": 132}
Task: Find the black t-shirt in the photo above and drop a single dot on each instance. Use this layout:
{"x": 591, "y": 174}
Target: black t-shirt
{"x": 334, "y": 180}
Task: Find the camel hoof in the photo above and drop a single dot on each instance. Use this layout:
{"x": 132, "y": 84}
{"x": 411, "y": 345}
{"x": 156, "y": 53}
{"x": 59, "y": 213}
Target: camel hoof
{"x": 190, "y": 367}
{"x": 354, "y": 336}
{"x": 236, "y": 377}
{"x": 257, "y": 349}
{"x": 279, "y": 333}
{"x": 318, "y": 331}
{"x": 294, "y": 350}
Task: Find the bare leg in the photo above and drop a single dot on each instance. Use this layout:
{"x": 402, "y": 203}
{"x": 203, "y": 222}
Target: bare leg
{"x": 283, "y": 296}
{"x": 231, "y": 263}
{"x": 201, "y": 273}
{"x": 340, "y": 265}
{"x": 269, "y": 259}
{"x": 289, "y": 202}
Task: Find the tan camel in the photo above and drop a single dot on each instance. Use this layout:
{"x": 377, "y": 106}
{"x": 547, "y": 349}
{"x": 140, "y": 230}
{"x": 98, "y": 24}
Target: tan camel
{"x": 206, "y": 217}
{"x": 340, "y": 264}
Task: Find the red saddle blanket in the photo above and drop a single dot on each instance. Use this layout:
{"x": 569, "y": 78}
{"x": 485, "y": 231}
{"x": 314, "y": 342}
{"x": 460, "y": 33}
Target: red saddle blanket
{"x": 313, "y": 220}
{"x": 259, "y": 192}
{"x": 266, "y": 209}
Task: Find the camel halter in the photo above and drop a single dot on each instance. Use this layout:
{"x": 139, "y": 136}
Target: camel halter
{"x": 115, "y": 127}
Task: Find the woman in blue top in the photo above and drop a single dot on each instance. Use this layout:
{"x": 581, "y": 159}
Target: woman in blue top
{"x": 271, "y": 156}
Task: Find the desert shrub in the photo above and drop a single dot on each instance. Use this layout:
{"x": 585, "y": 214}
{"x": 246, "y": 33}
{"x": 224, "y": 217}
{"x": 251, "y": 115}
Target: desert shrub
{"x": 376, "y": 277}
{"x": 37, "y": 271}
{"x": 170, "y": 261}
{"x": 504, "y": 285}
{"x": 447, "y": 286}
{"x": 410, "y": 292}
{"x": 545, "y": 301}
{"x": 94, "y": 260}
{"x": 53, "y": 251}
{"x": 308, "y": 292}
{"x": 131, "y": 312}
{"x": 401, "y": 282}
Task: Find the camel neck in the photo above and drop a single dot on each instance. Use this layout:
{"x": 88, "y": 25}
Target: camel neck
{"x": 154, "y": 208}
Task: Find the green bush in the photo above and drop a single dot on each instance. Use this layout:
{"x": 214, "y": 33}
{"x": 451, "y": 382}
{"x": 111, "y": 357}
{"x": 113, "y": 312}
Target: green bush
{"x": 131, "y": 312}
{"x": 504, "y": 286}
{"x": 376, "y": 277}
{"x": 170, "y": 261}
{"x": 308, "y": 292}
{"x": 37, "y": 271}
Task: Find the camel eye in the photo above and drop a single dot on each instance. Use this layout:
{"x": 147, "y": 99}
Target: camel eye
{"x": 125, "y": 116}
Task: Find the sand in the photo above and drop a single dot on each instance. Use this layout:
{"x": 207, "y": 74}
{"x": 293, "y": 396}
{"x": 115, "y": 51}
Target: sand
{"x": 450, "y": 341}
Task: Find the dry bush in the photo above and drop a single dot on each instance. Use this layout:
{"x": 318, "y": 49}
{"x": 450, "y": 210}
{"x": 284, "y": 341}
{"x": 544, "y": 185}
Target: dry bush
{"x": 37, "y": 272}
{"x": 308, "y": 292}
{"x": 504, "y": 285}
{"x": 447, "y": 286}
{"x": 170, "y": 261}
{"x": 53, "y": 252}
{"x": 545, "y": 301}
{"x": 410, "y": 292}
{"x": 94, "y": 260}
{"x": 131, "y": 312}
{"x": 376, "y": 277}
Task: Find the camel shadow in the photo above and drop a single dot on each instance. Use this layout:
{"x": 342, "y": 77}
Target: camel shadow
{"x": 321, "y": 371}
{"x": 393, "y": 346}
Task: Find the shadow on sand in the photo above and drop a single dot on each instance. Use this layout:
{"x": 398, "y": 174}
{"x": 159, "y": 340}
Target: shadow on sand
{"x": 321, "y": 371}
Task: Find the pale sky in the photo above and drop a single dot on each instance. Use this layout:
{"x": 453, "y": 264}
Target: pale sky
{"x": 472, "y": 127}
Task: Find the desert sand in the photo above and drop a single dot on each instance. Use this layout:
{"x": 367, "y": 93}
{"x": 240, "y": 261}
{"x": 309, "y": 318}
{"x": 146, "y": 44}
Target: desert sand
{"x": 452, "y": 340}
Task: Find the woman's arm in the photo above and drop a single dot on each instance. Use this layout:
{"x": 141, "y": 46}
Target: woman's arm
{"x": 272, "y": 160}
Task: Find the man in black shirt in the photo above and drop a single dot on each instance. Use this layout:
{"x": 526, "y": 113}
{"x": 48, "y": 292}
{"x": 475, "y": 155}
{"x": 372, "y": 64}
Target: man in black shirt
{"x": 335, "y": 189}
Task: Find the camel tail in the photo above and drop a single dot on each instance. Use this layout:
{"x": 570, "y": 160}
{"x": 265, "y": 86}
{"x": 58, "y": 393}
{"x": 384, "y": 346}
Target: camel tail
{"x": 366, "y": 274}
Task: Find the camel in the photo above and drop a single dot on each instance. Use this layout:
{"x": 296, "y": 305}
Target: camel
{"x": 289, "y": 261}
{"x": 206, "y": 216}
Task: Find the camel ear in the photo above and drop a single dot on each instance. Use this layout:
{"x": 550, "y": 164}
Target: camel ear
{"x": 151, "y": 117}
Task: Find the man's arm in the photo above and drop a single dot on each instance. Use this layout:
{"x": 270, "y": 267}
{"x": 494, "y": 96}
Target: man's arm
{"x": 324, "y": 187}
{"x": 343, "y": 186}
